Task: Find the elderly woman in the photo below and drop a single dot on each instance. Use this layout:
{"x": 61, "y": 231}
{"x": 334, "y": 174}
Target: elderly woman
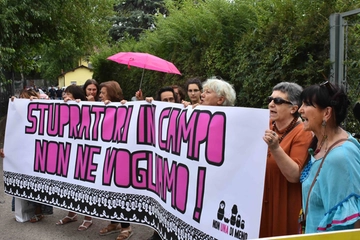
{"x": 287, "y": 142}
{"x": 332, "y": 202}
{"x": 217, "y": 92}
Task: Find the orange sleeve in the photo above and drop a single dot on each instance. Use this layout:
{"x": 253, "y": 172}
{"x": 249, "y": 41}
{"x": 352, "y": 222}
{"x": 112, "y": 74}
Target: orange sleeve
{"x": 300, "y": 145}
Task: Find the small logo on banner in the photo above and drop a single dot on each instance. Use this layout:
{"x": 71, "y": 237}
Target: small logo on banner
{"x": 231, "y": 224}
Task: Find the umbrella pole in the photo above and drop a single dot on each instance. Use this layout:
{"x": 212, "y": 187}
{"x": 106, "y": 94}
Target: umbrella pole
{"x": 142, "y": 76}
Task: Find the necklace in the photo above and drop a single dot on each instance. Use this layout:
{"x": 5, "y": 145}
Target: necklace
{"x": 321, "y": 144}
{"x": 291, "y": 126}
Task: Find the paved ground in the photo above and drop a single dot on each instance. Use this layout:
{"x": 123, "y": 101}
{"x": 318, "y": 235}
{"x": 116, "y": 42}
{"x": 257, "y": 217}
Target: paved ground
{"x": 46, "y": 229}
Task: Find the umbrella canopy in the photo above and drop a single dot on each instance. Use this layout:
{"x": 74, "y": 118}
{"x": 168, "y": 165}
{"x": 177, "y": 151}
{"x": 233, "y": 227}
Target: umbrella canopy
{"x": 144, "y": 61}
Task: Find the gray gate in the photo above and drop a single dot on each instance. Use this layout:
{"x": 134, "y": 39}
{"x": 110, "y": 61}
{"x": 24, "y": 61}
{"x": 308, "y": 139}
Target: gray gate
{"x": 345, "y": 58}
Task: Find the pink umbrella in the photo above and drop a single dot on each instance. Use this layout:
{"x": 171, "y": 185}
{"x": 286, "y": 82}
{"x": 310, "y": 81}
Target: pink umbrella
{"x": 144, "y": 61}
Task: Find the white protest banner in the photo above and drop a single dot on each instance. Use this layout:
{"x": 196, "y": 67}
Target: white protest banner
{"x": 188, "y": 173}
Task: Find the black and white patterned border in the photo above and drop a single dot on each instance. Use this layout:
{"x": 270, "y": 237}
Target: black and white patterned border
{"x": 102, "y": 204}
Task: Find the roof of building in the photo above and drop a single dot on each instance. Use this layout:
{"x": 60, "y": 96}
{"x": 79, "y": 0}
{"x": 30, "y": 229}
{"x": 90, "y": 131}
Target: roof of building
{"x": 73, "y": 70}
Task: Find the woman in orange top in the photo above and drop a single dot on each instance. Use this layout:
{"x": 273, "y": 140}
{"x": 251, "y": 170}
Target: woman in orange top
{"x": 282, "y": 193}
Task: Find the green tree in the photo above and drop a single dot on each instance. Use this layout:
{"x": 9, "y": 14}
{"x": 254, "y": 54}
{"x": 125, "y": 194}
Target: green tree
{"x": 50, "y": 30}
{"x": 133, "y": 17}
{"x": 252, "y": 44}
{"x": 290, "y": 44}
{"x": 197, "y": 37}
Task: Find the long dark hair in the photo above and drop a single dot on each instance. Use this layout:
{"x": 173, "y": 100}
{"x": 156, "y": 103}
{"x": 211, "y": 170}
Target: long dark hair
{"x": 326, "y": 95}
{"x": 92, "y": 81}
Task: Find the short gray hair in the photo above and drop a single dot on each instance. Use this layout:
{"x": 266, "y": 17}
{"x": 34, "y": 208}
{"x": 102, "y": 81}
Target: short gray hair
{"x": 222, "y": 89}
{"x": 293, "y": 90}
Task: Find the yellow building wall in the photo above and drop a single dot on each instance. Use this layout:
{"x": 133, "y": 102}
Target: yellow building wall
{"x": 83, "y": 62}
{"x": 61, "y": 81}
{"x": 78, "y": 77}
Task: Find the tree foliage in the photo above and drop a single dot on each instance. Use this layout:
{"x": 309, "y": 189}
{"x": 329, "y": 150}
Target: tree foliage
{"x": 291, "y": 44}
{"x": 252, "y": 44}
{"x": 133, "y": 17}
{"x": 200, "y": 37}
{"x": 197, "y": 37}
{"x": 56, "y": 31}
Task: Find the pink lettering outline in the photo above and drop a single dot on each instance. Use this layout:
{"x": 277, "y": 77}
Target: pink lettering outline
{"x": 146, "y": 125}
{"x": 31, "y": 119}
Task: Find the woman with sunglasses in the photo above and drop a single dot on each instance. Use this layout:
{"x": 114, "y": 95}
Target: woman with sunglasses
{"x": 282, "y": 192}
{"x": 331, "y": 176}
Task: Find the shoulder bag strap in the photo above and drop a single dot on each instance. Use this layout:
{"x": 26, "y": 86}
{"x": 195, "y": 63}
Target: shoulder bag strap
{"x": 318, "y": 171}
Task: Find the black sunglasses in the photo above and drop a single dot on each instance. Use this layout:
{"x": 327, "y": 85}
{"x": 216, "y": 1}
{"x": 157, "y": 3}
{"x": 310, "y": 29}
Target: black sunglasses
{"x": 278, "y": 100}
{"x": 329, "y": 87}
{"x": 332, "y": 91}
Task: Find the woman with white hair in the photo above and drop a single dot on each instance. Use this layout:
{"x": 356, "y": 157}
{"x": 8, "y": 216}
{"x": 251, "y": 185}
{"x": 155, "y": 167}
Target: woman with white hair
{"x": 217, "y": 92}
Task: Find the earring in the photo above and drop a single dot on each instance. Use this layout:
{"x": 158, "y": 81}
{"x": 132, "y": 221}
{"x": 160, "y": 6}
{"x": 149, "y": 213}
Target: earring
{"x": 323, "y": 123}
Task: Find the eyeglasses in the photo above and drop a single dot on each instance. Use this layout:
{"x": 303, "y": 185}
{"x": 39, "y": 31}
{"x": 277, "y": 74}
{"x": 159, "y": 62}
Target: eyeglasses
{"x": 278, "y": 100}
{"x": 193, "y": 90}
